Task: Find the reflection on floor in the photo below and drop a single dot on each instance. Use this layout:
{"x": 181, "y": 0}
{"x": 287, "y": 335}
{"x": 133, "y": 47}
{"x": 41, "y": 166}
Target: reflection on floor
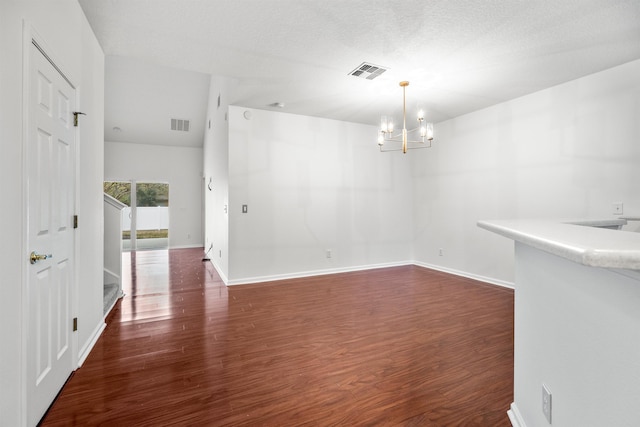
{"x": 394, "y": 346}
{"x": 146, "y": 244}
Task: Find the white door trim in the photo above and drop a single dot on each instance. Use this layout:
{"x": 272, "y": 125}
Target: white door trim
{"x": 31, "y": 37}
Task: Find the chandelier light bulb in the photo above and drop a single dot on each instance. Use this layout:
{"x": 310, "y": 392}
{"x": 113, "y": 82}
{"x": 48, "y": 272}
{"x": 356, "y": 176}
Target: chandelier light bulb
{"x": 383, "y": 124}
{"x": 390, "y": 126}
{"x": 430, "y": 131}
{"x": 420, "y": 115}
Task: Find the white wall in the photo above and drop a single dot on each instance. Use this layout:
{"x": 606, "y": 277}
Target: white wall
{"x": 180, "y": 167}
{"x": 90, "y": 233}
{"x": 569, "y": 151}
{"x": 313, "y": 185}
{"x": 577, "y": 330}
{"x": 72, "y": 44}
{"x": 216, "y": 173}
{"x": 566, "y": 152}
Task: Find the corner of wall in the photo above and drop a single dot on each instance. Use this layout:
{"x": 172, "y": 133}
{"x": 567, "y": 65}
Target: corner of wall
{"x": 216, "y": 174}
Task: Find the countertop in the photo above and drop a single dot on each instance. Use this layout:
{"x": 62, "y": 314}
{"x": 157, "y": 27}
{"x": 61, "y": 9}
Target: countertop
{"x": 577, "y": 240}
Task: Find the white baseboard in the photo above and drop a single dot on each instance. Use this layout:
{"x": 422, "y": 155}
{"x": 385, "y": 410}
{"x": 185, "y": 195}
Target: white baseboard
{"x": 195, "y": 245}
{"x": 113, "y": 304}
{"x": 515, "y": 417}
{"x": 484, "y": 279}
{"x": 300, "y": 274}
{"x": 112, "y": 274}
{"x": 84, "y": 352}
{"x": 220, "y": 272}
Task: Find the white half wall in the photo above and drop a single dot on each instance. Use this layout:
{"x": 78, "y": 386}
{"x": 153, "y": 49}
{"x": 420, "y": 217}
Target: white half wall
{"x": 71, "y": 43}
{"x": 570, "y": 151}
{"x": 180, "y": 167}
{"x": 577, "y": 331}
{"x": 311, "y": 186}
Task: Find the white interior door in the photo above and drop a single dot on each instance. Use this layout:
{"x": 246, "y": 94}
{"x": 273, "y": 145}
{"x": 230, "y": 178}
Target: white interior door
{"x": 50, "y": 191}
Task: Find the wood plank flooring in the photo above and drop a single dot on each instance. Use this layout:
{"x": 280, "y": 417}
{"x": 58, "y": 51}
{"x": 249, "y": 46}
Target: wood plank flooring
{"x": 395, "y": 346}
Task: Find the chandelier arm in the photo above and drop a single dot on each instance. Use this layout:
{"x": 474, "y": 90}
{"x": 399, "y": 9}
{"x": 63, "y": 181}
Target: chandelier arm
{"x": 392, "y": 137}
{"x": 409, "y": 141}
{"x": 385, "y": 149}
{"x": 397, "y": 137}
{"x": 415, "y": 129}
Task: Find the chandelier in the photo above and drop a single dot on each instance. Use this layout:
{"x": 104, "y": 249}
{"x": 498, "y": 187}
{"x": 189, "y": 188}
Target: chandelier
{"x": 418, "y": 137}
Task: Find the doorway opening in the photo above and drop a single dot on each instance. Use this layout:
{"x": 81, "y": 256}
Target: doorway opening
{"x": 145, "y": 220}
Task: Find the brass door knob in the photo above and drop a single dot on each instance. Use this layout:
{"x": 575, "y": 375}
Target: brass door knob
{"x": 35, "y": 257}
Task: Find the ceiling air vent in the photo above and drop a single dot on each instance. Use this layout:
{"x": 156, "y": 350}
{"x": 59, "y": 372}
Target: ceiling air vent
{"x": 367, "y": 71}
{"x": 180, "y": 124}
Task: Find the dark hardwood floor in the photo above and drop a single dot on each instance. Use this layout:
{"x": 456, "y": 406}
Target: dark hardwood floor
{"x": 395, "y": 346}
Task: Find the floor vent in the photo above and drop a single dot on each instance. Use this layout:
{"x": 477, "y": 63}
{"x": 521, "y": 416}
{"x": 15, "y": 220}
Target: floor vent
{"x": 180, "y": 124}
{"x": 367, "y": 71}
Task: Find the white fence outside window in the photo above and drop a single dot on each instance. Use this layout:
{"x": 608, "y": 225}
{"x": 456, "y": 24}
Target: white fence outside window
{"x": 149, "y": 218}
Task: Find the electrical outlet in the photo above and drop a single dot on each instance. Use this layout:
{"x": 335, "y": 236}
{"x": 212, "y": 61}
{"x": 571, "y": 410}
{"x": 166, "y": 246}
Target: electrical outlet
{"x": 245, "y": 208}
{"x": 617, "y": 208}
{"x": 440, "y": 252}
{"x": 328, "y": 253}
{"x": 546, "y": 403}
{"x": 220, "y": 253}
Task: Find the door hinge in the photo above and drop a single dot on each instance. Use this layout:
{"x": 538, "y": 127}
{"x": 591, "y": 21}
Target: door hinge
{"x": 75, "y": 117}
{"x": 75, "y": 221}
{"x": 75, "y": 324}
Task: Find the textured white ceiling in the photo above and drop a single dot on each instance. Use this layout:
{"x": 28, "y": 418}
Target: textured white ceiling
{"x": 141, "y": 99}
{"x": 459, "y": 55}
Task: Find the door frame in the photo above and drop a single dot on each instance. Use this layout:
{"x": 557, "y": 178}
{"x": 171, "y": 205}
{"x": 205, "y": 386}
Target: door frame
{"x": 31, "y": 36}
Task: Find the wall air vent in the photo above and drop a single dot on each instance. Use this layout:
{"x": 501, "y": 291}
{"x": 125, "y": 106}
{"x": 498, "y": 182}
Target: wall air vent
{"x": 180, "y": 124}
{"x": 368, "y": 71}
